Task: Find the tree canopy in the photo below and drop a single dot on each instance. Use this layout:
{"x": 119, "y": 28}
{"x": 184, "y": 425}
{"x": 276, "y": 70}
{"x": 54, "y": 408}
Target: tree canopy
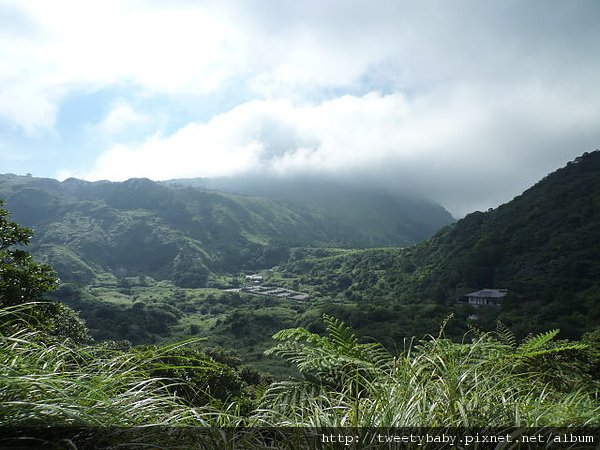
{"x": 24, "y": 282}
{"x": 22, "y": 279}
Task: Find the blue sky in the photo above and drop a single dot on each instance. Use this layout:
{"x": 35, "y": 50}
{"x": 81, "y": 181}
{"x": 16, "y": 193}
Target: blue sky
{"x": 465, "y": 102}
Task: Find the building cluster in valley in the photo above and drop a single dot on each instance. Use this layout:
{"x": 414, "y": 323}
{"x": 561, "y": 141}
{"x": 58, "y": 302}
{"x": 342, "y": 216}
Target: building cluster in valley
{"x": 270, "y": 291}
{"x": 254, "y": 286}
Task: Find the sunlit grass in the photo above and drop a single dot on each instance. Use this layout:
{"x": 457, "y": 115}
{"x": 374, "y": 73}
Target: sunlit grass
{"x": 49, "y": 381}
{"x": 436, "y": 383}
{"x": 489, "y": 382}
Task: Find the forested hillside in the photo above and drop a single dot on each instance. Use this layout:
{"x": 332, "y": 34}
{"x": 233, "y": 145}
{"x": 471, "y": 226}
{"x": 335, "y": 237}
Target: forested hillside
{"x": 360, "y": 213}
{"x": 543, "y": 246}
{"x": 58, "y": 386}
{"x": 55, "y": 377}
{"x": 147, "y": 263}
{"x": 186, "y": 234}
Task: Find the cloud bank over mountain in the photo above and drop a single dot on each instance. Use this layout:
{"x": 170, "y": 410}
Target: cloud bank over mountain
{"x": 466, "y": 103}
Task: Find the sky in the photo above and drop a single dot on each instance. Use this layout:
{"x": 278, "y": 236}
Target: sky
{"x": 466, "y": 103}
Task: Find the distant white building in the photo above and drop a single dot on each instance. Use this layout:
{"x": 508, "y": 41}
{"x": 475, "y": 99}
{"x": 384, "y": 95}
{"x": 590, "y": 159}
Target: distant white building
{"x": 486, "y": 297}
{"x": 254, "y": 277}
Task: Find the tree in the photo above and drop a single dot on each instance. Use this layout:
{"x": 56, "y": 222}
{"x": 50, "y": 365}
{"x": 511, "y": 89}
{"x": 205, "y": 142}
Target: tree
{"x": 21, "y": 278}
{"x": 23, "y": 281}
{"x": 188, "y": 270}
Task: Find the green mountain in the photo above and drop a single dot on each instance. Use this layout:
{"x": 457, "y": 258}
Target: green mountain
{"x": 57, "y": 385}
{"x": 543, "y": 246}
{"x": 356, "y": 212}
{"x": 191, "y": 235}
{"x": 149, "y": 262}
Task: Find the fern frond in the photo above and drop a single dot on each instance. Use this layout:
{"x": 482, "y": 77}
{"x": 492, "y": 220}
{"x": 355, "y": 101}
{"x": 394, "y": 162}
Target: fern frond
{"x": 505, "y": 335}
{"x": 547, "y": 351}
{"x": 296, "y": 334}
{"x": 538, "y": 342}
{"x": 340, "y": 334}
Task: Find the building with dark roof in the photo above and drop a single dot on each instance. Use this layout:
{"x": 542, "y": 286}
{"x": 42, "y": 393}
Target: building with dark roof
{"x": 486, "y": 296}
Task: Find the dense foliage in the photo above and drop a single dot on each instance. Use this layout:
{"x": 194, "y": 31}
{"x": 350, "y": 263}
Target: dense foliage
{"x": 543, "y": 246}
{"x": 191, "y": 235}
{"x": 52, "y": 374}
{"x": 25, "y": 281}
{"x": 49, "y": 379}
{"x": 492, "y": 381}
{"x": 21, "y": 278}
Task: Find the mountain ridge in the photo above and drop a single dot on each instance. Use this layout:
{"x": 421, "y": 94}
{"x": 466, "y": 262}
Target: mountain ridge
{"x": 183, "y": 233}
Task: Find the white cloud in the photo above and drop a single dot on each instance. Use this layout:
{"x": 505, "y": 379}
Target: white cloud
{"x": 90, "y": 45}
{"x": 119, "y": 119}
{"x": 458, "y": 145}
{"x": 283, "y": 50}
{"x": 483, "y": 97}
{"x": 269, "y": 135}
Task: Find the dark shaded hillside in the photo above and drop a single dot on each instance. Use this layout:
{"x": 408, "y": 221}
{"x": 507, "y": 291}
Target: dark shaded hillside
{"x": 356, "y": 212}
{"x": 543, "y": 246}
{"x": 141, "y": 227}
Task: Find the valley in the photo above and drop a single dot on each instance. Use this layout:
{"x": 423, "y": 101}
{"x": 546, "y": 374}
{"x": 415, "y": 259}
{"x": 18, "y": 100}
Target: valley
{"x": 145, "y": 263}
{"x": 250, "y": 333}
{"x": 299, "y": 225}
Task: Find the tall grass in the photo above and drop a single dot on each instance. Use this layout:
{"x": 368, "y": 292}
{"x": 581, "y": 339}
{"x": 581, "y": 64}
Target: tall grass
{"x": 44, "y": 380}
{"x": 485, "y": 383}
{"x": 491, "y": 381}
